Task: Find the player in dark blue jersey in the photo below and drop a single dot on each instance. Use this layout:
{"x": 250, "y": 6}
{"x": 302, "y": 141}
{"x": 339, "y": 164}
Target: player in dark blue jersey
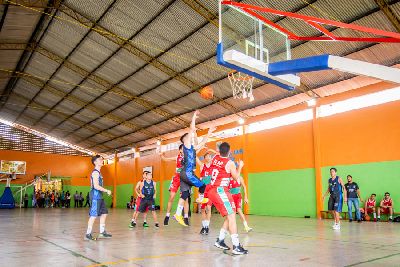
{"x": 148, "y": 191}
{"x": 337, "y": 193}
{"x": 97, "y": 207}
{"x": 187, "y": 175}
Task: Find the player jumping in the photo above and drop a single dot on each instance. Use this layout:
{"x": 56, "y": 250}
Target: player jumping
{"x": 188, "y": 178}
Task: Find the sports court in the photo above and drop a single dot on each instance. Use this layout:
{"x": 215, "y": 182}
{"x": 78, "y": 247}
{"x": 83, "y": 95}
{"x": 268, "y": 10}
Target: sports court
{"x": 281, "y": 116}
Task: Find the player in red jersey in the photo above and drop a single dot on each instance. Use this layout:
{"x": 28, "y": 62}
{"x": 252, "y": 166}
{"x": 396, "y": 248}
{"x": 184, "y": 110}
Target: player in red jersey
{"x": 205, "y": 176}
{"x": 137, "y": 205}
{"x": 223, "y": 169}
{"x": 235, "y": 190}
{"x": 175, "y": 182}
{"x": 386, "y": 207}
{"x": 370, "y": 206}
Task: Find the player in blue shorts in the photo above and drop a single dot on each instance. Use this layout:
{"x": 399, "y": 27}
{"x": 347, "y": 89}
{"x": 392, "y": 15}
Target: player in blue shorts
{"x": 97, "y": 207}
{"x": 337, "y": 194}
{"x": 187, "y": 176}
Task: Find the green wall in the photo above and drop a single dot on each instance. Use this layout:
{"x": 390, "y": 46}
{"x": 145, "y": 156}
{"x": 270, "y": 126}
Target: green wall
{"x": 376, "y": 177}
{"x": 125, "y": 191}
{"x": 289, "y": 193}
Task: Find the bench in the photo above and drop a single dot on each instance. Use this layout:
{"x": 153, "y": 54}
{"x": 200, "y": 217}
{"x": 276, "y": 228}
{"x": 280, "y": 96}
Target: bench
{"x": 325, "y": 214}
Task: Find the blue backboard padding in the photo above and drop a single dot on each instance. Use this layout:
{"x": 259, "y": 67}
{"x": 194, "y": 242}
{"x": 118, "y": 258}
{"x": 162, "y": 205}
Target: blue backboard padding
{"x": 221, "y": 61}
{"x": 306, "y": 64}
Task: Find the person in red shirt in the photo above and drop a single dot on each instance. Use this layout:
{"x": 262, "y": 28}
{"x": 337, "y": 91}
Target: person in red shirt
{"x": 386, "y": 207}
{"x": 223, "y": 169}
{"x": 205, "y": 176}
{"x": 370, "y": 206}
{"x": 235, "y": 189}
{"x": 175, "y": 182}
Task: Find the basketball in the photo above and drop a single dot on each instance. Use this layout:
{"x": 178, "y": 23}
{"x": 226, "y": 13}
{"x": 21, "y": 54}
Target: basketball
{"x": 207, "y": 92}
{"x": 367, "y": 218}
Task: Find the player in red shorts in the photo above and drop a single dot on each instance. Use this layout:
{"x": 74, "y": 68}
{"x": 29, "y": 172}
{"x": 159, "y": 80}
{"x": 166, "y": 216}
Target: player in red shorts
{"x": 175, "y": 182}
{"x": 205, "y": 174}
{"x": 370, "y": 206}
{"x": 137, "y": 205}
{"x": 223, "y": 169}
{"x": 386, "y": 207}
{"x": 235, "y": 190}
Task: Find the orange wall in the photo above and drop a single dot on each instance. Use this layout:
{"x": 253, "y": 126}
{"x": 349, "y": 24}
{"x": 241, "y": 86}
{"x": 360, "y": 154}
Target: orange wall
{"x": 60, "y": 165}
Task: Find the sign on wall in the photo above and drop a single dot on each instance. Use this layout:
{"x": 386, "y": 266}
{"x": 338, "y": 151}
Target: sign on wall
{"x": 9, "y": 167}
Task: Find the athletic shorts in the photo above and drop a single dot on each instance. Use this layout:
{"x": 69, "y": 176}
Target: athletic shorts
{"x": 385, "y": 210}
{"x": 97, "y": 208}
{"x": 237, "y": 198}
{"x": 189, "y": 179}
{"x": 209, "y": 203}
{"x": 147, "y": 204}
{"x": 335, "y": 202}
{"x": 370, "y": 210}
{"x": 222, "y": 200}
{"x": 137, "y": 204}
{"x": 175, "y": 183}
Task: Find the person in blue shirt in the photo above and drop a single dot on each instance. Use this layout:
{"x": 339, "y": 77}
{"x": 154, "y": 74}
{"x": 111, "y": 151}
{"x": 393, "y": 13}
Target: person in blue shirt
{"x": 337, "y": 193}
{"x": 187, "y": 176}
{"x": 98, "y": 206}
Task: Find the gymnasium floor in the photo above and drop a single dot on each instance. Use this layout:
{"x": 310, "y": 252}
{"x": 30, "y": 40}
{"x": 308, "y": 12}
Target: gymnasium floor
{"x": 55, "y": 237}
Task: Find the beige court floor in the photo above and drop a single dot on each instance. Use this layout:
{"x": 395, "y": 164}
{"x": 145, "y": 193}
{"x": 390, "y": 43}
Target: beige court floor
{"x": 54, "y": 237}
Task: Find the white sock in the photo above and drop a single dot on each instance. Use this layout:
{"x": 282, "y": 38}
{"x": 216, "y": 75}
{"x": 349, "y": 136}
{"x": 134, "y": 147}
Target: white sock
{"x": 89, "y": 230}
{"x": 102, "y": 228}
{"x": 379, "y": 216}
{"x": 222, "y": 234}
{"x": 167, "y": 215}
{"x": 390, "y": 217}
{"x": 179, "y": 210}
{"x": 235, "y": 240}
{"x": 207, "y": 223}
{"x": 186, "y": 215}
{"x": 203, "y": 223}
{"x": 374, "y": 215}
{"x": 245, "y": 224}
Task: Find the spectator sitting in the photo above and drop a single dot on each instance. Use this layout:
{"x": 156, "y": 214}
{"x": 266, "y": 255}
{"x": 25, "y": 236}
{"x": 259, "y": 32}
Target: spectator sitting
{"x": 386, "y": 207}
{"x": 369, "y": 206}
{"x": 131, "y": 203}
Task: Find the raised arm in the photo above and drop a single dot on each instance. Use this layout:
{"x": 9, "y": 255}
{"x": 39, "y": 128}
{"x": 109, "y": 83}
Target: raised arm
{"x": 205, "y": 139}
{"x": 188, "y": 142}
{"x": 235, "y": 173}
{"x": 96, "y": 185}
{"x": 164, "y": 158}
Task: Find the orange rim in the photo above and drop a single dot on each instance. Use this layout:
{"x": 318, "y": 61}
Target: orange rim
{"x": 248, "y": 77}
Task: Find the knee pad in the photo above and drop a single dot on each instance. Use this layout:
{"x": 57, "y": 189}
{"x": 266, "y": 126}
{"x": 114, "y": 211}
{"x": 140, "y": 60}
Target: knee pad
{"x": 185, "y": 195}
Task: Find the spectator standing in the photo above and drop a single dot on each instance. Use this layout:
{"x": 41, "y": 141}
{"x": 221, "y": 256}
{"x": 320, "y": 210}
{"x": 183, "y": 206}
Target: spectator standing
{"x": 68, "y": 199}
{"x": 62, "y": 198}
{"x": 76, "y": 199}
{"x": 353, "y": 198}
{"x": 87, "y": 200}
{"x": 57, "y": 200}
{"x": 80, "y": 200}
{"x": 26, "y": 199}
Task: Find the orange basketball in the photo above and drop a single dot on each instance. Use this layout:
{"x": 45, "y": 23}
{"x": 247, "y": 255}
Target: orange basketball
{"x": 367, "y": 218}
{"x": 207, "y": 92}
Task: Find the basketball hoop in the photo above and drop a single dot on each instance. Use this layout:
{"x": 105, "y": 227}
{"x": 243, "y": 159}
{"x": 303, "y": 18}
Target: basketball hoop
{"x": 242, "y": 85}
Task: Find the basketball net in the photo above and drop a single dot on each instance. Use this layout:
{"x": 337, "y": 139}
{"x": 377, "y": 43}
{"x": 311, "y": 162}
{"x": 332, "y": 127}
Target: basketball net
{"x": 242, "y": 85}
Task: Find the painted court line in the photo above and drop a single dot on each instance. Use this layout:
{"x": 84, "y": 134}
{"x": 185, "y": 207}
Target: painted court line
{"x": 372, "y": 260}
{"x": 147, "y": 257}
{"x": 76, "y": 254}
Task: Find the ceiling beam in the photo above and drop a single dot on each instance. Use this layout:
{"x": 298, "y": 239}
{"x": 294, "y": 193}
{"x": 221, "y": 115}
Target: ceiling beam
{"x": 36, "y": 105}
{"x": 36, "y": 35}
{"x": 59, "y": 67}
{"x": 3, "y": 17}
{"x": 391, "y": 16}
{"x": 141, "y": 54}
